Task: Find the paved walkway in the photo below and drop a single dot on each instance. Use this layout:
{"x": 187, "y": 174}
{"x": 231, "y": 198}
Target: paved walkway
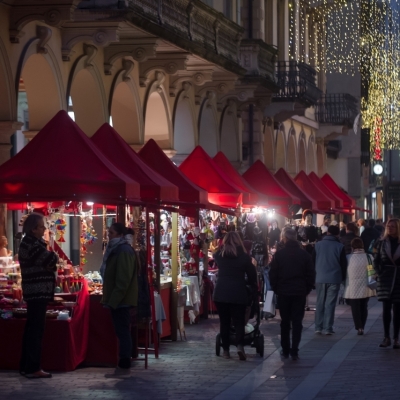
{"x": 341, "y": 366}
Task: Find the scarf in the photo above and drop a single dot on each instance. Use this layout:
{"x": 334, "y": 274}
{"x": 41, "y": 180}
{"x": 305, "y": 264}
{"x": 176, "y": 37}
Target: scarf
{"x": 111, "y": 246}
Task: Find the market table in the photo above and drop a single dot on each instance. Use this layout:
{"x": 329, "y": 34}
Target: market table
{"x": 64, "y": 342}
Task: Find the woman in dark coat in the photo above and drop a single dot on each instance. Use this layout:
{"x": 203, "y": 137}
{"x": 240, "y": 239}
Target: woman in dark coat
{"x": 230, "y": 294}
{"x": 387, "y": 264}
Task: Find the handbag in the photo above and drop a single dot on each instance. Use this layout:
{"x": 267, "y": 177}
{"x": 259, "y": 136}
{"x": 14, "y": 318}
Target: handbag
{"x": 371, "y": 281}
{"x": 269, "y": 305}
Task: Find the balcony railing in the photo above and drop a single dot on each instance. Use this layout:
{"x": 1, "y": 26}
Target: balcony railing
{"x": 194, "y": 20}
{"x": 337, "y": 109}
{"x": 296, "y": 81}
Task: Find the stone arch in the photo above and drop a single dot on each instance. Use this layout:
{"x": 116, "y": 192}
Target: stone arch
{"x": 302, "y": 153}
{"x": 157, "y": 123}
{"x": 280, "y": 150}
{"x": 269, "y": 156}
{"x": 320, "y": 159}
{"x": 230, "y": 132}
{"x": 125, "y": 108}
{"x": 291, "y": 158}
{"x": 208, "y": 126}
{"x": 8, "y": 101}
{"x": 42, "y": 79}
{"x": 185, "y": 128}
{"x": 311, "y": 154}
{"x": 86, "y": 94}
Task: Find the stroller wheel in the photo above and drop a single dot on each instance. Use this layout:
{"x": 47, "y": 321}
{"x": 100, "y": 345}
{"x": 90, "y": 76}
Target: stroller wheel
{"x": 260, "y": 345}
{"x": 218, "y": 344}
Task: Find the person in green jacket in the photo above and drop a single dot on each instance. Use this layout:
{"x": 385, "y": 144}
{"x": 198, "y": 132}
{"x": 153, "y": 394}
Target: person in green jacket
{"x": 119, "y": 271}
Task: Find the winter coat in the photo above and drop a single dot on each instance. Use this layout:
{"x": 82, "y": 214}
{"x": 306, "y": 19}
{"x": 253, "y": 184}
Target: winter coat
{"x": 37, "y": 269}
{"x": 232, "y": 273}
{"x": 330, "y": 260}
{"x": 346, "y": 241}
{"x": 120, "y": 286}
{"x": 368, "y": 236}
{"x": 274, "y": 236}
{"x": 292, "y": 271}
{"x": 387, "y": 268}
{"x": 357, "y": 276}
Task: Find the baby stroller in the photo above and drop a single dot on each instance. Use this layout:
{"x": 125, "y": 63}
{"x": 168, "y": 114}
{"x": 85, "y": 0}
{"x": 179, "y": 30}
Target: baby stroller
{"x": 254, "y": 338}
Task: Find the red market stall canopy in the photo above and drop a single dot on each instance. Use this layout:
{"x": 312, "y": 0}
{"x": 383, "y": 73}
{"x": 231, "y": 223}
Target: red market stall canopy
{"x": 348, "y": 202}
{"x": 61, "y": 163}
{"x": 153, "y": 186}
{"x": 155, "y": 158}
{"x": 324, "y": 203}
{"x": 290, "y": 186}
{"x": 262, "y": 180}
{"x": 201, "y": 169}
{"x": 250, "y": 195}
{"x": 338, "y": 201}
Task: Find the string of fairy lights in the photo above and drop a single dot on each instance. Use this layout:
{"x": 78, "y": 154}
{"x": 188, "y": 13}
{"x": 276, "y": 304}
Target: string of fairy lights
{"x": 350, "y": 37}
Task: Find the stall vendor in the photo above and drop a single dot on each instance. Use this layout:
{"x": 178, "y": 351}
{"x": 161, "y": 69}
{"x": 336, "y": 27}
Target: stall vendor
{"x": 3, "y": 247}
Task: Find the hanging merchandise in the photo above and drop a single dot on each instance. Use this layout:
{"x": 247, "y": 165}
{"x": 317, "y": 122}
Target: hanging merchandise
{"x": 60, "y": 224}
{"x": 88, "y": 234}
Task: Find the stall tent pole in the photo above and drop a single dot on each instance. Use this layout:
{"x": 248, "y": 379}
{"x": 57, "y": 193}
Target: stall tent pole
{"x": 174, "y": 271}
{"x": 121, "y": 211}
{"x": 151, "y": 281}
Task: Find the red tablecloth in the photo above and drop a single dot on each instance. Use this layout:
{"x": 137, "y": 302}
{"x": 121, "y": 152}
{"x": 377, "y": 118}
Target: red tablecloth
{"x": 103, "y": 343}
{"x": 64, "y": 342}
{"x": 166, "y": 300}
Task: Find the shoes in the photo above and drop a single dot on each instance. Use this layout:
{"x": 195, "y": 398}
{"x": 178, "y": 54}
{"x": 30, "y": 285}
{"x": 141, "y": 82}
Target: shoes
{"x": 124, "y": 363}
{"x": 226, "y": 354}
{"x": 241, "y": 353}
{"x": 396, "y": 344}
{"x": 360, "y": 332}
{"x": 295, "y": 357}
{"x": 386, "y": 342}
{"x": 38, "y": 375}
{"x": 328, "y": 333}
{"x": 318, "y": 332}
{"x": 284, "y": 354}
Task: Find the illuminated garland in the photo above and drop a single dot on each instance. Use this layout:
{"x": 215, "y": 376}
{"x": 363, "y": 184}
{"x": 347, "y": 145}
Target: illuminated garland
{"x": 355, "y": 36}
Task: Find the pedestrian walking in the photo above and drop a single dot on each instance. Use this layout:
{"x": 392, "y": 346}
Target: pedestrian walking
{"x": 356, "y": 290}
{"x": 387, "y": 264}
{"x": 38, "y": 266}
{"x": 330, "y": 264}
{"x": 292, "y": 277}
{"x": 231, "y": 296}
{"x": 351, "y": 233}
{"x": 370, "y": 236}
{"x": 120, "y": 288}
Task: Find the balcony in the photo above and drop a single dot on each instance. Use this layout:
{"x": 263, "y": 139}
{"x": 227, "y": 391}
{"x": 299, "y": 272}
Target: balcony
{"x": 193, "y": 26}
{"x": 337, "y": 109}
{"x": 296, "y": 82}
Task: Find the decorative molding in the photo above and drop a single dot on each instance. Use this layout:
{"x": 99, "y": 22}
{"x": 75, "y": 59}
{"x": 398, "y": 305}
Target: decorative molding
{"x": 24, "y": 11}
{"x": 127, "y": 66}
{"x": 99, "y": 36}
{"x": 90, "y": 52}
{"x": 139, "y": 49}
{"x": 194, "y": 77}
{"x": 170, "y": 63}
{"x": 43, "y": 33}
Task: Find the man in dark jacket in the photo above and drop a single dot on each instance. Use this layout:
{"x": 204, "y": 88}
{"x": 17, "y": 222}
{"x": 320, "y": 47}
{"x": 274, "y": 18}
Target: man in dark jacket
{"x": 330, "y": 264}
{"x": 351, "y": 233}
{"x": 38, "y": 283}
{"x": 369, "y": 235}
{"x": 292, "y": 277}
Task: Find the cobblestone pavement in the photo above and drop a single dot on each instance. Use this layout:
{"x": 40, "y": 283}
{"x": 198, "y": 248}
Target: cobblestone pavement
{"x": 341, "y": 366}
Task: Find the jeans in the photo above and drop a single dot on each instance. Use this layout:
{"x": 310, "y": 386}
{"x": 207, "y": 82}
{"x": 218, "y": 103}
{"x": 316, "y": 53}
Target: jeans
{"x": 388, "y": 305}
{"x": 359, "y": 310}
{"x": 122, "y": 324}
{"x": 231, "y": 313}
{"x": 327, "y": 294}
{"x": 33, "y": 336}
{"x": 291, "y": 310}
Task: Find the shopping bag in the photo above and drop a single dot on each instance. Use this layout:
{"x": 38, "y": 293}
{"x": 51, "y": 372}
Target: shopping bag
{"x": 269, "y": 305}
{"x": 371, "y": 281}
